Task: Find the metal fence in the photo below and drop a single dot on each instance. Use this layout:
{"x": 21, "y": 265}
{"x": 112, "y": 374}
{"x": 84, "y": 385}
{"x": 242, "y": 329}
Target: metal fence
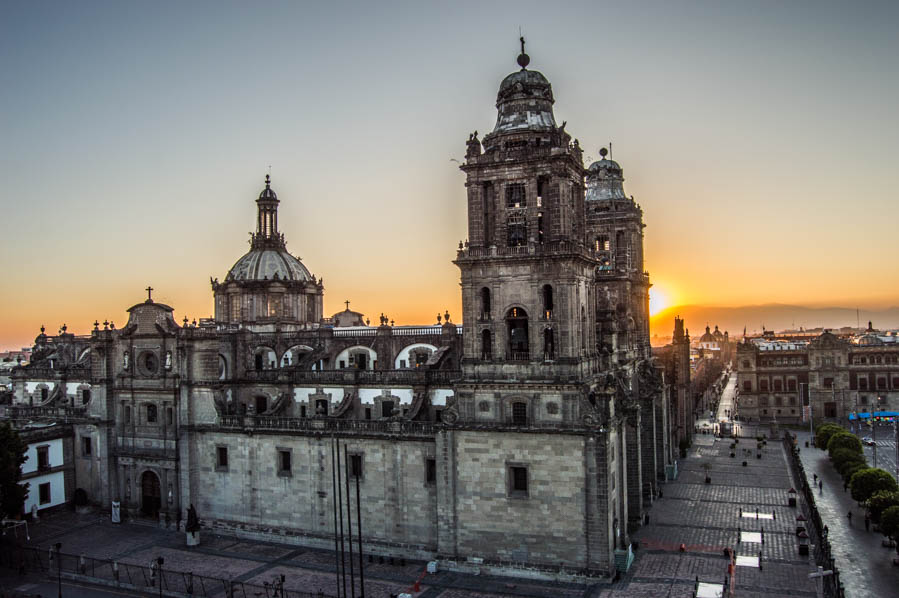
{"x": 152, "y": 578}
{"x": 833, "y": 587}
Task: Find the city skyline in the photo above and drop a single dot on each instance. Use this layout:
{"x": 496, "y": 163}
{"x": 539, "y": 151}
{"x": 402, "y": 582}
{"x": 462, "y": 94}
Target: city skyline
{"x": 756, "y": 141}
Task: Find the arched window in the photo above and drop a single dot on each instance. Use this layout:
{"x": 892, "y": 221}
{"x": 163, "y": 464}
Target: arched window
{"x": 486, "y": 345}
{"x": 45, "y": 392}
{"x": 547, "y": 301}
{"x": 549, "y": 345}
{"x": 85, "y": 396}
{"x": 517, "y": 326}
{"x": 485, "y": 303}
{"x": 620, "y": 250}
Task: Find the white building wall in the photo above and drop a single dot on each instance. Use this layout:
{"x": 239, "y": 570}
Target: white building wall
{"x": 54, "y": 455}
{"x": 57, "y": 490}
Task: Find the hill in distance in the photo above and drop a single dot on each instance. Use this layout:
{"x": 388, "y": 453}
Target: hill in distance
{"x": 772, "y": 316}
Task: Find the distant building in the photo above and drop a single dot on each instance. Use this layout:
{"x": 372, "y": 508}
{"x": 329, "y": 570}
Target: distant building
{"x": 776, "y": 377}
{"x": 715, "y": 345}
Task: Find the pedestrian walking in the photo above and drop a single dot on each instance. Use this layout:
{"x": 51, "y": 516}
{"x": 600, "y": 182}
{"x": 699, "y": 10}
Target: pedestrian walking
{"x": 867, "y": 523}
{"x": 849, "y": 517}
{"x": 820, "y": 485}
{"x": 816, "y": 477}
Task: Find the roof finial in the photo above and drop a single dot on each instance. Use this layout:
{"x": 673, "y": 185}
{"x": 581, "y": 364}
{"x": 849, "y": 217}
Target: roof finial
{"x": 268, "y": 178}
{"x": 149, "y": 290}
{"x": 523, "y": 59}
{"x": 610, "y": 150}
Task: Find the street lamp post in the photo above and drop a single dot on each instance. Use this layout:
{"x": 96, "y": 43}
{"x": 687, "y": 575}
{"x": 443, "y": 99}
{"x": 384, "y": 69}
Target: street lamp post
{"x": 159, "y": 562}
{"x": 58, "y": 547}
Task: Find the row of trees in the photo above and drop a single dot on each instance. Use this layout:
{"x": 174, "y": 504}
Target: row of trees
{"x": 872, "y": 487}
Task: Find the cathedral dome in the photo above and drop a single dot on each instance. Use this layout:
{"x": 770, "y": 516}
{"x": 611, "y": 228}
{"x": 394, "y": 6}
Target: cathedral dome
{"x": 605, "y": 179}
{"x": 268, "y": 264}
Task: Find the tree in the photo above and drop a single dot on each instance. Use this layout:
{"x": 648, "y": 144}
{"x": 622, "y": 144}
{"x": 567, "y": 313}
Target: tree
{"x": 889, "y": 524}
{"x": 865, "y": 482}
{"x": 12, "y": 455}
{"x": 844, "y": 456}
{"x": 881, "y": 501}
{"x": 850, "y": 469}
{"x": 823, "y": 433}
{"x": 844, "y": 439}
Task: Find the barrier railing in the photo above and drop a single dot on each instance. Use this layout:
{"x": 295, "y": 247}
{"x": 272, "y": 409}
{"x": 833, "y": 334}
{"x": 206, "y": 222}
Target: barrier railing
{"x": 832, "y": 586}
{"x": 168, "y": 580}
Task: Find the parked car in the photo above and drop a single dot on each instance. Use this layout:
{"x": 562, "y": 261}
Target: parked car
{"x": 868, "y": 441}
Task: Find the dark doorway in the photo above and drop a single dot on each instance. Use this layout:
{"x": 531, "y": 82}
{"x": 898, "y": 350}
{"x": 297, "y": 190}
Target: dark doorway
{"x": 261, "y": 404}
{"x": 258, "y": 361}
{"x": 150, "y": 494}
{"x": 361, "y": 361}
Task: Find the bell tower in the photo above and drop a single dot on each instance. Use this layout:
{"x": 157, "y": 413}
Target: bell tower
{"x": 526, "y": 270}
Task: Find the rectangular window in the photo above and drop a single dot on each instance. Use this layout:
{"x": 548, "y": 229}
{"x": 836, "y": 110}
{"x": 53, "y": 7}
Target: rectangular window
{"x": 519, "y": 413}
{"x": 791, "y": 385}
{"x": 86, "y": 446}
{"x": 518, "y": 481}
{"x": 386, "y": 408}
{"x": 302, "y": 411}
{"x": 828, "y": 383}
{"x": 763, "y": 385}
{"x": 747, "y": 385}
{"x": 430, "y": 471}
{"x": 44, "y": 492}
{"x": 356, "y": 466}
{"x": 151, "y": 414}
{"x": 127, "y": 414}
{"x": 169, "y": 416}
{"x": 43, "y": 458}
{"x": 284, "y": 462}
{"x": 221, "y": 458}
{"x": 368, "y": 413}
{"x": 515, "y": 196}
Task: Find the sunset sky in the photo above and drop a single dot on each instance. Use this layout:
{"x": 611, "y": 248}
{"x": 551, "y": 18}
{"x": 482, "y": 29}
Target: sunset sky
{"x": 760, "y": 138}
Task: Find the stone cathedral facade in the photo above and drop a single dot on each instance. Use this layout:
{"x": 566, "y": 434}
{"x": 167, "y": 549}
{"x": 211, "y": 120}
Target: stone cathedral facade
{"x": 533, "y": 435}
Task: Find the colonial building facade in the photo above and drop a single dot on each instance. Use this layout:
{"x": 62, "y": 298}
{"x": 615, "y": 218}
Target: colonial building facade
{"x": 776, "y": 378}
{"x": 533, "y": 433}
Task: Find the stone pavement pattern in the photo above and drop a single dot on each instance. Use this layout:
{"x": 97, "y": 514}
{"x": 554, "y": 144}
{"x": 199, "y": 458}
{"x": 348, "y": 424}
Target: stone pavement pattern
{"x": 706, "y": 518}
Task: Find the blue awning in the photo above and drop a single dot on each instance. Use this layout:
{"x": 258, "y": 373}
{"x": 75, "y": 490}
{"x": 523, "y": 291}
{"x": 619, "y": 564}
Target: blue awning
{"x": 853, "y": 416}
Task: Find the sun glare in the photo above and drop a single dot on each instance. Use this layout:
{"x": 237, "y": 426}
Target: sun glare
{"x": 657, "y": 301}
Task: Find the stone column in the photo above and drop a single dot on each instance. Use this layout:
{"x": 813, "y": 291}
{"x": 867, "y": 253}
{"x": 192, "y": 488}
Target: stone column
{"x": 634, "y": 470}
{"x": 648, "y": 440}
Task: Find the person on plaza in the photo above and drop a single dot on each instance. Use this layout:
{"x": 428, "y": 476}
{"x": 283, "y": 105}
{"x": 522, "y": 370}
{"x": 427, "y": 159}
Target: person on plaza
{"x": 849, "y": 516}
{"x": 820, "y": 485}
{"x": 826, "y": 530}
{"x": 815, "y": 476}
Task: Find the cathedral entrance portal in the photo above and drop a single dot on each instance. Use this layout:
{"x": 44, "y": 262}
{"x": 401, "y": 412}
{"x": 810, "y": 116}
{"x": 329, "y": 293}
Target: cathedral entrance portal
{"x": 150, "y": 494}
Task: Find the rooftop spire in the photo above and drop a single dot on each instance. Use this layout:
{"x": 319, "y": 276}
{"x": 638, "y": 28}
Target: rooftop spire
{"x": 523, "y": 59}
{"x": 267, "y": 217}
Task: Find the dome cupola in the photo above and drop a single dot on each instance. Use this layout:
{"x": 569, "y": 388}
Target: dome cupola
{"x": 525, "y": 101}
{"x": 605, "y": 179}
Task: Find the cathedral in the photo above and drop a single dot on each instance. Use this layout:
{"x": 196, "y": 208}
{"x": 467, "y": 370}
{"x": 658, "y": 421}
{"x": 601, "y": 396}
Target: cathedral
{"x": 532, "y": 436}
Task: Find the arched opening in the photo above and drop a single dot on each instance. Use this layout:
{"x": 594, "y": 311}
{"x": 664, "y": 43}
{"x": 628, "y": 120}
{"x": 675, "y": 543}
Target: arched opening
{"x": 265, "y": 358}
{"x": 261, "y": 404}
{"x": 485, "y": 303}
{"x": 517, "y": 325}
{"x": 547, "y": 301}
{"x": 486, "y": 345}
{"x": 85, "y": 396}
{"x": 549, "y": 345}
{"x": 620, "y": 250}
{"x": 45, "y": 392}
{"x": 150, "y": 494}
